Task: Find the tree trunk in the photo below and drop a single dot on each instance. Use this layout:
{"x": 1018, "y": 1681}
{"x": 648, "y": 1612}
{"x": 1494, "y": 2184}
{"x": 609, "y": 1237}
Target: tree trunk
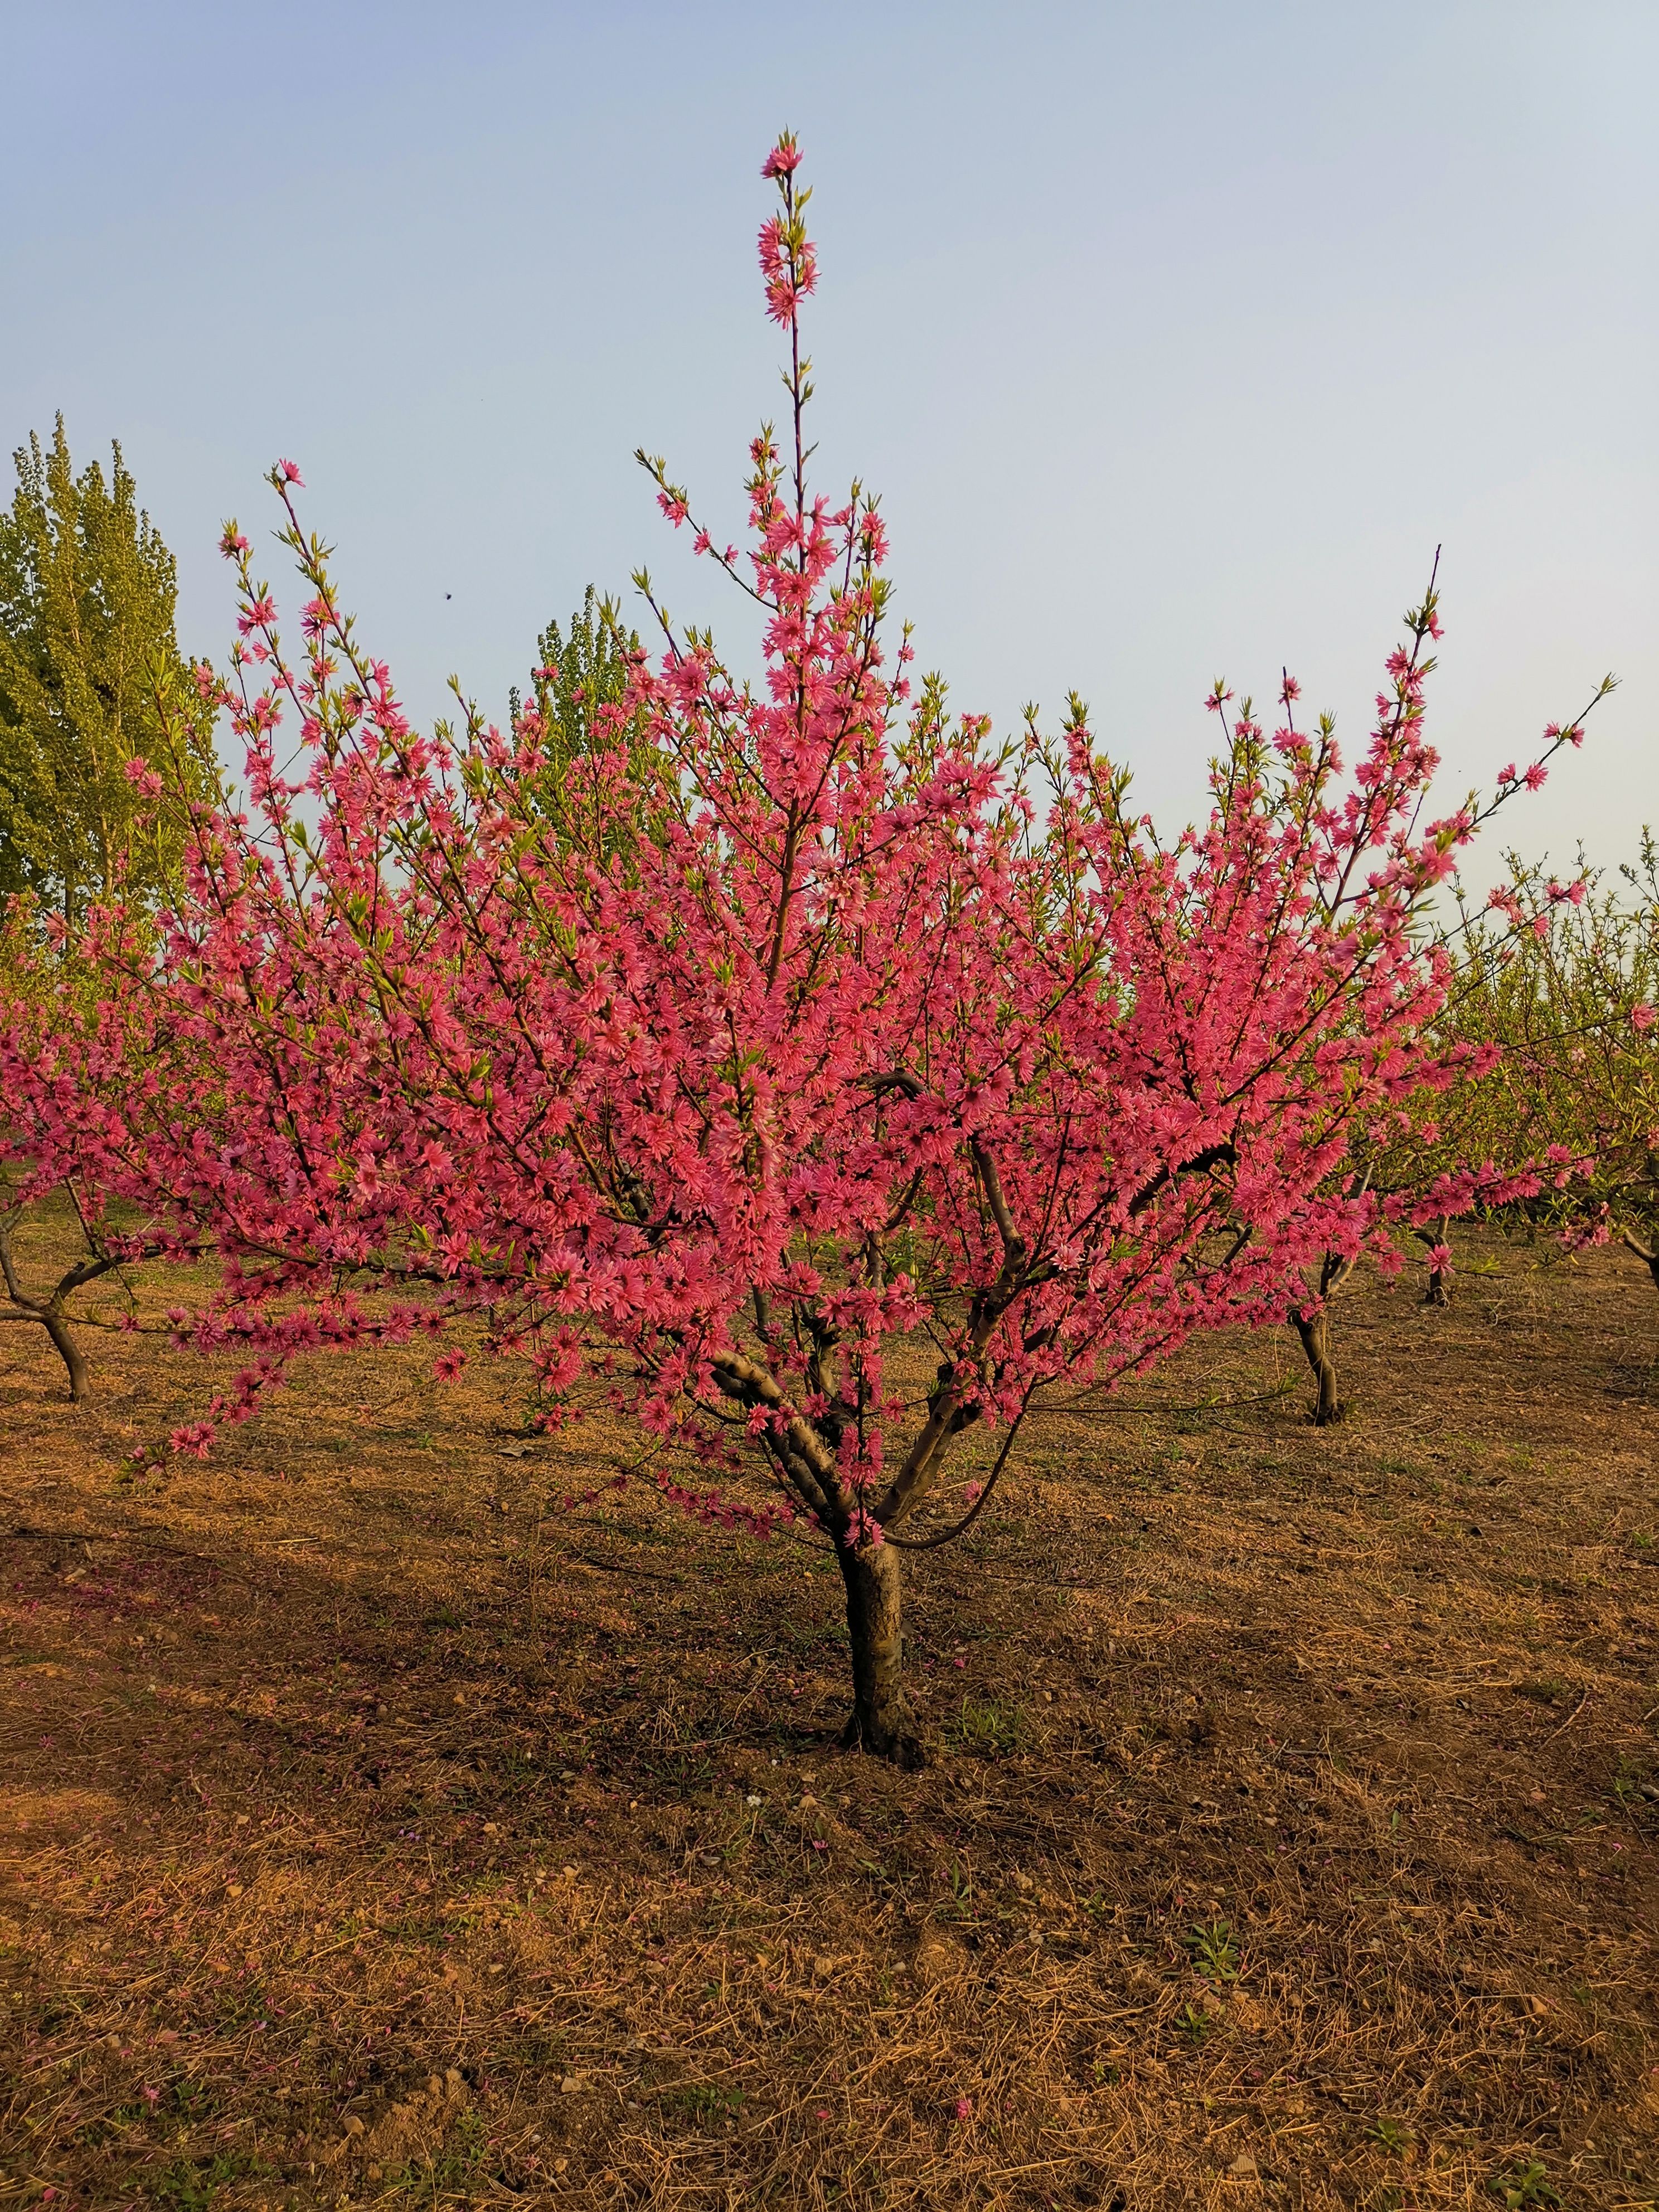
{"x": 49, "y": 1314}
{"x": 1648, "y": 1257}
{"x": 57, "y": 1329}
{"x": 1314, "y": 1332}
{"x": 1437, "y": 1294}
{"x": 881, "y": 1722}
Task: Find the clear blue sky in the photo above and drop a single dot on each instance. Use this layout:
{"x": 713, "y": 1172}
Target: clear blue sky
{"x": 1176, "y": 337}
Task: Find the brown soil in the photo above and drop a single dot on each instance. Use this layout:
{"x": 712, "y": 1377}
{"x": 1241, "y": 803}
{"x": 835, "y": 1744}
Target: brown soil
{"x": 372, "y": 1829}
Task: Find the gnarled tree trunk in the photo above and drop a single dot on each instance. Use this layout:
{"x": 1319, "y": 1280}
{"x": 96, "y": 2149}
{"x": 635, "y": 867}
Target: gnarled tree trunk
{"x": 57, "y": 1329}
{"x": 881, "y": 1722}
{"x": 51, "y": 1311}
{"x": 47, "y": 1311}
{"x": 1314, "y": 1332}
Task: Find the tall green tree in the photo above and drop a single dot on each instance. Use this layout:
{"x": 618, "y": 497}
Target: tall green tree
{"x": 577, "y": 672}
{"x": 579, "y": 679}
{"x": 88, "y": 651}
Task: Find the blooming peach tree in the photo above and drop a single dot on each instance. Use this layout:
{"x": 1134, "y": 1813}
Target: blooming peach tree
{"x": 1457, "y": 1146}
{"x": 801, "y": 1074}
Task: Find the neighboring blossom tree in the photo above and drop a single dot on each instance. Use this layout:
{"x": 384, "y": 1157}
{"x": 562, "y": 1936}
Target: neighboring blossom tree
{"x": 1458, "y": 1146}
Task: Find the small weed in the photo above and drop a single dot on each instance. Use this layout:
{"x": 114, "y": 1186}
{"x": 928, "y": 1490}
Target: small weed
{"x": 1392, "y": 2135}
{"x": 1214, "y": 1951}
{"x": 453, "y": 2165}
{"x": 984, "y": 1725}
{"x": 1193, "y": 2020}
{"x": 707, "y": 2100}
{"x": 1547, "y": 1690}
{"x": 192, "y": 2099}
{"x": 1523, "y": 2185}
{"x": 1630, "y": 1784}
{"x": 190, "y": 2184}
{"x": 959, "y": 1905}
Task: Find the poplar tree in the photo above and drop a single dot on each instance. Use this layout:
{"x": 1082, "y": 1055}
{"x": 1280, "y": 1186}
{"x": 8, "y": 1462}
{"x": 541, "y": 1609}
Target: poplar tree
{"x": 88, "y": 659}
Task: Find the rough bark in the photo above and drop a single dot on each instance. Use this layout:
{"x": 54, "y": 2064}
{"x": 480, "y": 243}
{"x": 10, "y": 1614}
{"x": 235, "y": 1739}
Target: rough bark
{"x": 48, "y": 1312}
{"x": 68, "y": 1351}
{"x": 881, "y": 1722}
{"x": 1314, "y": 1332}
{"x": 1649, "y": 1258}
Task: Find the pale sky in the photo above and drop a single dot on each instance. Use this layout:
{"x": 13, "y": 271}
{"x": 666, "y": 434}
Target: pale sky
{"x": 1176, "y": 336}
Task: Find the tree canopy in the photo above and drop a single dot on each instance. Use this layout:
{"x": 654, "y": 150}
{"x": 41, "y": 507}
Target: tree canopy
{"x": 89, "y": 661}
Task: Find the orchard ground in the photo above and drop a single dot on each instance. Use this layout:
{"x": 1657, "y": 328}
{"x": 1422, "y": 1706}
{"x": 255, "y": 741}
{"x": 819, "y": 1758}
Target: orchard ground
{"x": 368, "y": 1835}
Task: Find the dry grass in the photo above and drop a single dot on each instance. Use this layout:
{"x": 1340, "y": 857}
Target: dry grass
{"x": 369, "y": 1837}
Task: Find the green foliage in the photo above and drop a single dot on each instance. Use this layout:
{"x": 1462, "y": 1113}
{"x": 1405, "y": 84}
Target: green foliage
{"x": 579, "y": 679}
{"x": 192, "y": 2184}
{"x": 1523, "y": 2186}
{"x": 1214, "y": 1951}
{"x": 985, "y": 1726}
{"x": 707, "y": 2100}
{"x": 1567, "y": 991}
{"x": 87, "y": 655}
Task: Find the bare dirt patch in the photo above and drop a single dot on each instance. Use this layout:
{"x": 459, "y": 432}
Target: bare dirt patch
{"x": 376, "y": 1830}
